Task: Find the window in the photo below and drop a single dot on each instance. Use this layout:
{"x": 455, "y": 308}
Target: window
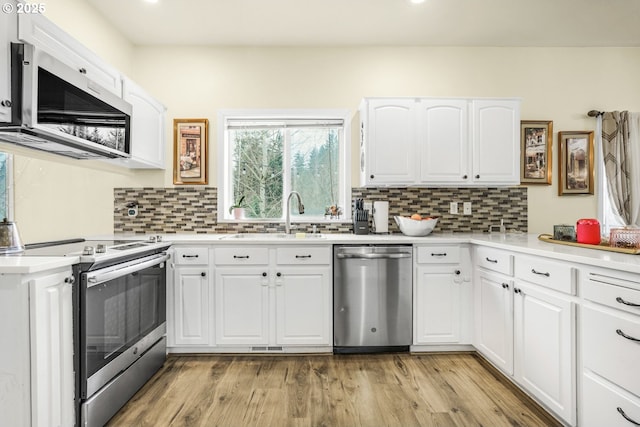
{"x": 265, "y": 155}
{"x": 6, "y": 199}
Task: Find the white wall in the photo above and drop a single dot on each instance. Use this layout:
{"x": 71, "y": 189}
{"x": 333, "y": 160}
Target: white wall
{"x": 65, "y": 198}
{"x": 559, "y": 84}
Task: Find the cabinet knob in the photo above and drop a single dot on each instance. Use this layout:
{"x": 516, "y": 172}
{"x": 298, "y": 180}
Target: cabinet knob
{"x": 69, "y": 279}
{"x": 505, "y": 286}
{"x": 264, "y": 274}
{"x": 457, "y": 272}
{"x": 477, "y": 176}
{"x": 6, "y": 103}
{"x": 516, "y": 290}
{"x": 464, "y": 176}
{"x": 83, "y": 70}
{"x": 203, "y": 274}
{"x": 279, "y": 274}
{"x": 371, "y": 176}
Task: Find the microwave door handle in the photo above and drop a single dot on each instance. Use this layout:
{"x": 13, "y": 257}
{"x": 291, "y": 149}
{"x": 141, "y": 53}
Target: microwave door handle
{"x": 96, "y": 277}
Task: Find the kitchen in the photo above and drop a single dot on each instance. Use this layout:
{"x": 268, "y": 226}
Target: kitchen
{"x": 289, "y": 76}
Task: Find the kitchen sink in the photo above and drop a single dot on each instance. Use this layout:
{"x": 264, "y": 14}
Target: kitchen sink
{"x": 269, "y": 236}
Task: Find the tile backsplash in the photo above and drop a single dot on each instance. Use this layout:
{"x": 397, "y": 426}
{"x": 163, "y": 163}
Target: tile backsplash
{"x": 193, "y": 210}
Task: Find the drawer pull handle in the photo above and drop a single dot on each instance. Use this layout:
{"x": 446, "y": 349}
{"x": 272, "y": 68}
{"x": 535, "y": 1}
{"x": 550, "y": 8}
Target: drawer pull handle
{"x": 533, "y": 270}
{"x": 505, "y": 286}
{"x": 189, "y": 256}
{"x": 241, "y": 257}
{"x": 495, "y": 261}
{"x": 439, "y": 254}
{"x": 303, "y": 256}
{"x": 626, "y": 417}
{"x": 621, "y": 301}
{"x": 623, "y": 335}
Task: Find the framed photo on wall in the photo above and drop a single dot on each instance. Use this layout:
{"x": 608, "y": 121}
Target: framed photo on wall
{"x": 190, "y": 151}
{"x": 576, "y": 163}
{"x": 535, "y": 151}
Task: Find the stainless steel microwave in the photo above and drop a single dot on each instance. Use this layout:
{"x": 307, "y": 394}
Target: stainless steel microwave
{"x": 60, "y": 110}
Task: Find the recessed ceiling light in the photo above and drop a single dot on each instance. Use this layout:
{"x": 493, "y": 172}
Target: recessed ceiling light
{"x": 151, "y": 1}
{"x": 416, "y": 1}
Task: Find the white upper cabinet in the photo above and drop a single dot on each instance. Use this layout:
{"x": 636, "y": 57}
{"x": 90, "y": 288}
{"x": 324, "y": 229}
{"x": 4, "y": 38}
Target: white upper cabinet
{"x": 147, "y": 128}
{"x": 440, "y": 142}
{"x": 496, "y": 141}
{"x": 45, "y": 35}
{"x": 388, "y": 142}
{"x": 8, "y": 33}
{"x": 444, "y": 140}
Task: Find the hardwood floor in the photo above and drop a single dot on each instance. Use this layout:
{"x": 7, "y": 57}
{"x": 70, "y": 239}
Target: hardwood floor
{"x": 405, "y": 390}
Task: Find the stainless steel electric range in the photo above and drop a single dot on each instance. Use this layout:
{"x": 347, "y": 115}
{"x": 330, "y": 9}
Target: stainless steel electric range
{"x": 119, "y": 319}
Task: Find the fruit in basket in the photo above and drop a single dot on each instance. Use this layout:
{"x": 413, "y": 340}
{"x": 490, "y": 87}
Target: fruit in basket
{"x": 416, "y": 216}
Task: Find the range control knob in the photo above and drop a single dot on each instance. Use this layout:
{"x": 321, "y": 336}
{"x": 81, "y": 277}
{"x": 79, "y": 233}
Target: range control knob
{"x": 101, "y": 248}
{"x": 88, "y": 250}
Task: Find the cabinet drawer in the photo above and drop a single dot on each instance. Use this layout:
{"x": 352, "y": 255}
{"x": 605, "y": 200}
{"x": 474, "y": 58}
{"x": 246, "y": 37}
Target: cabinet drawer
{"x": 541, "y": 271}
{"x": 601, "y": 401}
{"x": 241, "y": 255}
{"x": 495, "y": 260}
{"x": 438, "y": 254}
{"x": 191, "y": 256}
{"x": 606, "y": 351}
{"x": 306, "y": 255}
{"x": 611, "y": 291}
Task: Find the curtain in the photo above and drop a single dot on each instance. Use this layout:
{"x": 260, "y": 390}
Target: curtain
{"x": 621, "y": 157}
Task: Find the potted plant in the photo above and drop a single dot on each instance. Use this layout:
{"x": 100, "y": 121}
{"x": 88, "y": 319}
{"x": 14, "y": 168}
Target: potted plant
{"x": 237, "y": 209}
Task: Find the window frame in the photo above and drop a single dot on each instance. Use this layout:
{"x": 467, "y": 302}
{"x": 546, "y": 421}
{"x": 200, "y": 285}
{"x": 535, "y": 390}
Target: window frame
{"x": 224, "y": 161}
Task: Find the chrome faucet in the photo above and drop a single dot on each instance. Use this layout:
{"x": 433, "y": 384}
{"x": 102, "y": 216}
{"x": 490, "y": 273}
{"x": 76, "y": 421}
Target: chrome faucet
{"x": 287, "y": 224}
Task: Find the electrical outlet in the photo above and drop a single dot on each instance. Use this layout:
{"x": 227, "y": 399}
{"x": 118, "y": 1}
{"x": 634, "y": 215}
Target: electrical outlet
{"x": 453, "y": 208}
{"x": 466, "y": 208}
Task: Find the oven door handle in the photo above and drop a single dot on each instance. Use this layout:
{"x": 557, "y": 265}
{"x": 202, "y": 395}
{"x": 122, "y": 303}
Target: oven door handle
{"x": 97, "y": 277}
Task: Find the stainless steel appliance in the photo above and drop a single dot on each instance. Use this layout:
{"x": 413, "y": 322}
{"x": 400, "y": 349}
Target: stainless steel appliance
{"x": 60, "y": 110}
{"x": 120, "y": 320}
{"x": 372, "y": 295}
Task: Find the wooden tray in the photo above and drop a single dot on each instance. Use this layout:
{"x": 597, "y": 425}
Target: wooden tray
{"x": 603, "y": 247}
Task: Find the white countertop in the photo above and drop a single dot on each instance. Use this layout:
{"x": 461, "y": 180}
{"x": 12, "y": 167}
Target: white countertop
{"x": 521, "y": 243}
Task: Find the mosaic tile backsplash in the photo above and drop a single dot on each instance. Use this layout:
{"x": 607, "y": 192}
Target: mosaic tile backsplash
{"x": 193, "y": 210}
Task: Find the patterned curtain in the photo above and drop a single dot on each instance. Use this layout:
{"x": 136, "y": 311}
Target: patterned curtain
{"x": 615, "y": 152}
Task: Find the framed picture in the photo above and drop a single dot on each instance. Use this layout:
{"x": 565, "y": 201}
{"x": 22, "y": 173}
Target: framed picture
{"x": 190, "y": 151}
{"x": 535, "y": 151}
{"x": 576, "y": 163}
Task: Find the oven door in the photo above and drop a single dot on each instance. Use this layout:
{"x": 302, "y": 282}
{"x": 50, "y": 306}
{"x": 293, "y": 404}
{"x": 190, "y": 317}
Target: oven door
{"x": 122, "y": 314}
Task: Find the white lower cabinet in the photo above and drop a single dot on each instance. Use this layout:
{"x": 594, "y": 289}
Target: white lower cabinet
{"x": 528, "y": 330}
{"x": 494, "y": 318}
{"x": 610, "y": 338}
{"x": 190, "y": 300}
{"x": 37, "y": 374}
{"x": 242, "y": 306}
{"x": 544, "y": 364}
{"x": 442, "y": 296}
{"x": 270, "y": 298}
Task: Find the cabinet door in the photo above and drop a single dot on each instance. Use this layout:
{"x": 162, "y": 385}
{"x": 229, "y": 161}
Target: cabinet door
{"x": 390, "y": 142}
{"x": 8, "y": 33}
{"x": 437, "y": 305}
{"x": 444, "y": 141}
{"x": 544, "y": 348}
{"x": 52, "y": 374}
{"x": 242, "y": 306}
{"x": 191, "y": 305}
{"x": 147, "y": 128}
{"x": 494, "y": 319}
{"x": 496, "y": 141}
{"x": 45, "y": 35}
{"x": 303, "y": 306}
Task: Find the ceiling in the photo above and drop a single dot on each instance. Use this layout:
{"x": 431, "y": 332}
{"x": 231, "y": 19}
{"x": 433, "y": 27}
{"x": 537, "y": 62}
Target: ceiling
{"x": 571, "y": 23}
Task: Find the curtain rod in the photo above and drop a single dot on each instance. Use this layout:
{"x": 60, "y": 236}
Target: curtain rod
{"x": 595, "y": 113}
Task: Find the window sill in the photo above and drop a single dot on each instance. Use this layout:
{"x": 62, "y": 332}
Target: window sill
{"x": 280, "y": 221}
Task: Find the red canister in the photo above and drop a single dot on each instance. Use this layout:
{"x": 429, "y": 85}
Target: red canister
{"x": 588, "y": 231}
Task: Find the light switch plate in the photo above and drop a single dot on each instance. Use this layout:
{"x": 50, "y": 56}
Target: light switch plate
{"x": 466, "y": 208}
{"x": 453, "y": 208}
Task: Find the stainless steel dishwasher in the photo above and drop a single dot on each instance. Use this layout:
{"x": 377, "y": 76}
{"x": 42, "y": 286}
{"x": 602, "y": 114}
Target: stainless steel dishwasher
{"x": 372, "y": 298}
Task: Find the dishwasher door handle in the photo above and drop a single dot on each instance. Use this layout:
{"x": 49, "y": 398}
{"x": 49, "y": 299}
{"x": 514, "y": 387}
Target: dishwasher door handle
{"x": 374, "y": 256}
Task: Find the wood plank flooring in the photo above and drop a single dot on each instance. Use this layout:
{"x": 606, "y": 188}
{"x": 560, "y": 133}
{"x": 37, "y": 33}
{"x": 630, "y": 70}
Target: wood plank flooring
{"x": 439, "y": 390}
